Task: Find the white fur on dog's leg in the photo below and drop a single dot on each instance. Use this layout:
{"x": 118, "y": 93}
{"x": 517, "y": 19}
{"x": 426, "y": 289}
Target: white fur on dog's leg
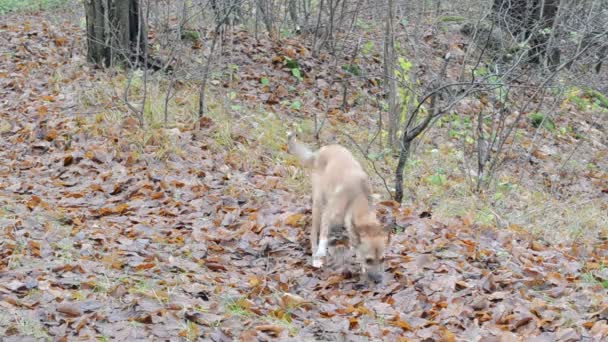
{"x": 322, "y": 249}
{"x": 317, "y": 262}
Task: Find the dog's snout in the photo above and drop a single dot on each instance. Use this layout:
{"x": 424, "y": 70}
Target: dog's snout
{"x": 375, "y": 277}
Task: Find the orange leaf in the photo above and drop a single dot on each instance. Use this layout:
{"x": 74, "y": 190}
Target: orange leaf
{"x": 157, "y": 195}
{"x": 35, "y": 247}
{"x": 36, "y": 201}
{"x": 448, "y": 336}
{"x": 353, "y": 323}
{"x": 398, "y": 322}
{"x": 254, "y": 281}
{"x": 144, "y": 266}
{"x": 390, "y": 203}
{"x": 89, "y": 154}
{"x": 51, "y": 135}
{"x": 60, "y": 41}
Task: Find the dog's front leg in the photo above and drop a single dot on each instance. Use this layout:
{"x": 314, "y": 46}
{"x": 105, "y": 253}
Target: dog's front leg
{"x": 314, "y": 233}
{"x": 327, "y": 220}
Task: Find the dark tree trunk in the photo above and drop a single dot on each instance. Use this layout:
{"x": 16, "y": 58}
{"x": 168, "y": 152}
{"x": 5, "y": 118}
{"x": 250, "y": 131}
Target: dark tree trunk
{"x": 529, "y": 19}
{"x": 115, "y": 33}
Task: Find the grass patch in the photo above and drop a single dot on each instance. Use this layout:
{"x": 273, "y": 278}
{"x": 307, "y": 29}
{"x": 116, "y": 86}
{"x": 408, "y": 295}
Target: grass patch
{"x": 30, "y": 327}
{"x": 7, "y": 6}
{"x": 587, "y": 99}
{"x": 239, "y": 307}
{"x": 451, "y": 19}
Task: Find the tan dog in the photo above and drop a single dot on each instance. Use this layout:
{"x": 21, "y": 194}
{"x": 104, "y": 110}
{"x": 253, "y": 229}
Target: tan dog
{"x": 341, "y": 199}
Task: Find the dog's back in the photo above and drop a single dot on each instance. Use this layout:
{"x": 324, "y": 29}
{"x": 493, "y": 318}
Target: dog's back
{"x": 337, "y": 172}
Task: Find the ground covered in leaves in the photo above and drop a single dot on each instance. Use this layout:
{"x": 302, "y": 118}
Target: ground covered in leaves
{"x": 101, "y": 239}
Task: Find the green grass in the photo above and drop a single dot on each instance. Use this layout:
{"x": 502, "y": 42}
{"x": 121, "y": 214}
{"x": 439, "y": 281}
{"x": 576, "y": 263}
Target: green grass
{"x": 451, "y": 19}
{"x": 30, "y": 327}
{"x": 7, "y": 6}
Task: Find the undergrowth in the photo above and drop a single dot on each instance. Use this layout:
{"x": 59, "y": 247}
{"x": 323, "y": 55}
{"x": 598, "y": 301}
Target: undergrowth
{"x": 254, "y": 139}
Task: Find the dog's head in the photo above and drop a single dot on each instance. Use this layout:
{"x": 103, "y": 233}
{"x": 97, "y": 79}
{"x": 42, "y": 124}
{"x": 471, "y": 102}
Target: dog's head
{"x": 370, "y": 249}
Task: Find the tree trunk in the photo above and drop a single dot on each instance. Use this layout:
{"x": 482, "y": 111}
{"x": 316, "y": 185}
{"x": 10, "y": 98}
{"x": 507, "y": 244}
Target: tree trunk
{"x": 389, "y": 76}
{"x": 529, "y": 19}
{"x": 115, "y": 33}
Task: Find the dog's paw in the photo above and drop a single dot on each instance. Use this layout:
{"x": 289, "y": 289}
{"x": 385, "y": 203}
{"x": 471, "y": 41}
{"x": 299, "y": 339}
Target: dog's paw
{"x": 317, "y": 262}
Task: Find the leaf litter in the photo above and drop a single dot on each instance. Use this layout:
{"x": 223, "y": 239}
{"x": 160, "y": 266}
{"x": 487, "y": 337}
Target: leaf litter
{"x": 96, "y": 244}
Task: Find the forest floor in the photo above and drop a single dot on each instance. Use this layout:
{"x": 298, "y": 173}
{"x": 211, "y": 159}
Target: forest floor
{"x": 110, "y": 231}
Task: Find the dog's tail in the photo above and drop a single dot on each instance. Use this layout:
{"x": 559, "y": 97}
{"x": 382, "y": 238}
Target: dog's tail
{"x": 304, "y": 154}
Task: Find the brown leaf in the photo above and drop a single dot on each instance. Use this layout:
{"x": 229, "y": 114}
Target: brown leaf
{"x": 36, "y": 201}
{"x": 60, "y": 41}
{"x": 69, "y": 309}
{"x": 249, "y": 336}
{"x": 68, "y": 160}
{"x": 290, "y": 301}
{"x": 271, "y": 329}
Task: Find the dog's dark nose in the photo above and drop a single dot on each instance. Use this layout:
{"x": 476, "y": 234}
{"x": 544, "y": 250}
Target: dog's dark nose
{"x": 375, "y": 277}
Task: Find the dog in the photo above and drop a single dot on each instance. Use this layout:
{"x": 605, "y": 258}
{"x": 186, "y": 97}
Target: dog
{"x": 341, "y": 195}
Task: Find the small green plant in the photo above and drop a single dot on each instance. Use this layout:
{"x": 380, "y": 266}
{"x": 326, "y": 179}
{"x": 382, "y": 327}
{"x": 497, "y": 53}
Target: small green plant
{"x": 588, "y": 278}
{"x": 264, "y": 81}
{"x": 191, "y": 330}
{"x": 375, "y": 156}
{"x": 296, "y": 105}
{"x": 142, "y": 287}
{"x": 352, "y": 69}
{"x": 297, "y": 74}
{"x": 597, "y": 98}
{"x": 438, "y": 178}
{"x": 65, "y": 250}
{"x": 481, "y": 71}
{"x": 499, "y": 89}
{"x": 404, "y": 93}
{"x": 293, "y": 65}
{"x": 537, "y": 120}
{"x": 485, "y": 217}
{"x": 363, "y": 25}
{"x": 368, "y": 48}
{"x": 190, "y": 35}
